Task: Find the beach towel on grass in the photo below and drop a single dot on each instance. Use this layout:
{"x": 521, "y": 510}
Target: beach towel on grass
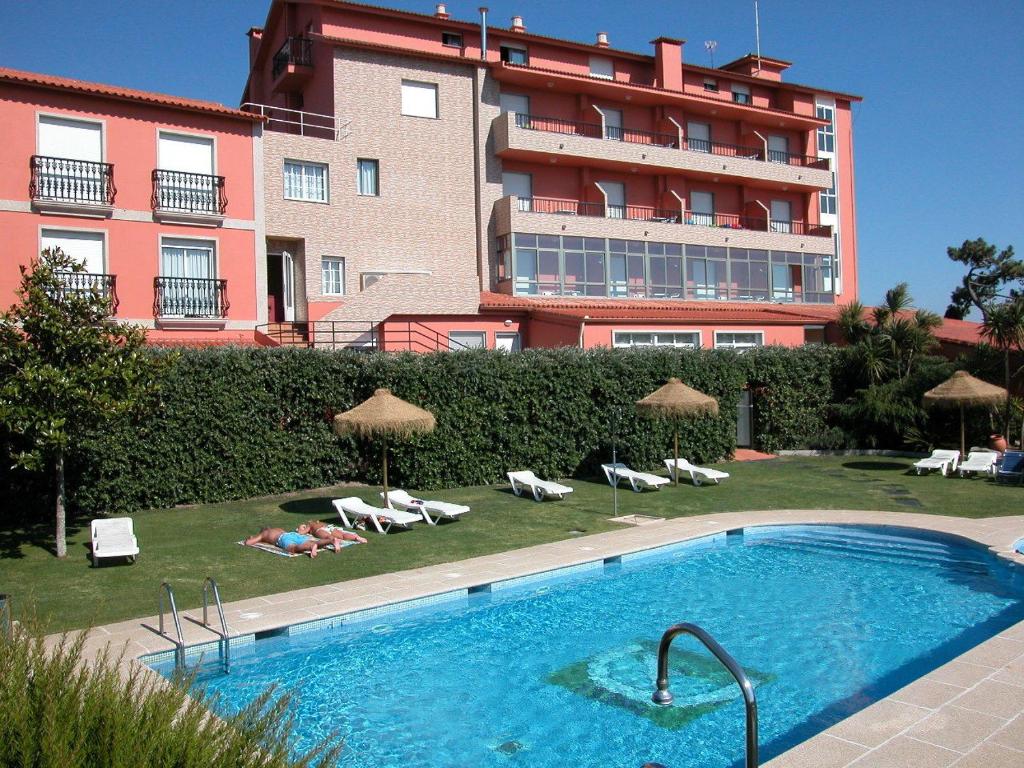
{"x": 276, "y": 550}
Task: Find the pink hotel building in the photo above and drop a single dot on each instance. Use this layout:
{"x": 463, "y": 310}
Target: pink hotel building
{"x": 410, "y": 181}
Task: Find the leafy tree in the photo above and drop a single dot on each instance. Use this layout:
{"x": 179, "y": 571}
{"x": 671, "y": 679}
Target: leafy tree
{"x": 990, "y": 277}
{"x": 65, "y": 368}
{"x": 1003, "y": 328}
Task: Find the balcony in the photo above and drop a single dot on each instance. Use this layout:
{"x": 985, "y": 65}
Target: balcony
{"x": 190, "y": 302}
{"x": 188, "y": 198}
{"x": 79, "y": 187}
{"x": 292, "y": 65}
{"x": 78, "y": 283}
{"x": 568, "y": 142}
{"x": 549, "y": 216}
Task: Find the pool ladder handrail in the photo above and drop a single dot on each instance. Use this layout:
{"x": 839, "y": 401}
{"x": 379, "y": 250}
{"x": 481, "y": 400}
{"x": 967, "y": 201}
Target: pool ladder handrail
{"x": 663, "y": 697}
{"x": 179, "y": 644}
{"x": 224, "y": 643}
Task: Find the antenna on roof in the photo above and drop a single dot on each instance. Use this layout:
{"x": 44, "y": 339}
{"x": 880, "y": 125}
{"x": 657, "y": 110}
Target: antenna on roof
{"x": 757, "y": 35}
{"x": 710, "y": 45}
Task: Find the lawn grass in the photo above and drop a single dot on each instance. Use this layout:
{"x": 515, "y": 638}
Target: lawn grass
{"x": 184, "y": 545}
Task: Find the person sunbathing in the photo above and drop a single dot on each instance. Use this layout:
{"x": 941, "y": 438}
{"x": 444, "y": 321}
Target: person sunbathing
{"x": 294, "y": 542}
{"x": 322, "y": 530}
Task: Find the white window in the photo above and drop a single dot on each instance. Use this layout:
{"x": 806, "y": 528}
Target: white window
{"x": 782, "y": 216}
{"x": 368, "y": 177}
{"x": 508, "y": 342}
{"x": 87, "y": 248}
{"x": 602, "y": 67}
{"x": 514, "y": 102}
{"x": 827, "y": 198}
{"x": 419, "y": 99}
{"x": 520, "y": 185}
{"x": 187, "y": 154}
{"x": 741, "y": 94}
{"x": 305, "y": 181}
{"x": 68, "y": 167}
{"x": 332, "y": 270}
{"x": 738, "y": 340}
{"x": 513, "y": 53}
{"x": 612, "y": 123}
{"x": 682, "y": 339}
{"x": 615, "y": 198}
{"x": 71, "y": 139}
{"x": 702, "y": 209}
{"x": 189, "y": 259}
{"x": 826, "y": 133}
{"x": 185, "y": 180}
{"x": 467, "y": 340}
{"x": 698, "y": 137}
{"x": 778, "y": 149}
{"x": 187, "y": 284}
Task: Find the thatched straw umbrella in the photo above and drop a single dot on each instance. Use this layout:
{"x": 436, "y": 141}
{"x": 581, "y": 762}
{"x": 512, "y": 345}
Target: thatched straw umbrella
{"x": 962, "y": 389}
{"x": 383, "y": 416}
{"x": 676, "y": 401}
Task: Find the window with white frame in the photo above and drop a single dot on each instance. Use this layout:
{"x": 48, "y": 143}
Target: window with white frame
{"x": 332, "y": 273}
{"x": 419, "y": 99}
{"x": 305, "y": 181}
{"x": 741, "y": 94}
{"x": 458, "y": 340}
{"x": 826, "y": 133}
{"x": 827, "y": 198}
{"x": 681, "y": 339}
{"x": 87, "y": 248}
{"x": 368, "y": 177}
{"x": 188, "y": 279}
{"x": 602, "y": 68}
{"x": 738, "y": 340}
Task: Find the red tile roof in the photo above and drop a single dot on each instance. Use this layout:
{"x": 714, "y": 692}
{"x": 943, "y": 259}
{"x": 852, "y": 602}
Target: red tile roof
{"x": 959, "y": 331}
{"x": 123, "y": 94}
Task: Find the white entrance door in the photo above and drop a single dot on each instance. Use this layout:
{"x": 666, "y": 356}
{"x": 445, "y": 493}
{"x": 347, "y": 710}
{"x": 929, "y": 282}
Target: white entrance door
{"x": 615, "y": 199}
{"x": 288, "y": 285}
{"x": 702, "y": 206}
{"x": 781, "y": 217}
{"x": 698, "y": 137}
{"x": 778, "y": 149}
{"x": 612, "y": 124}
{"x": 84, "y": 247}
{"x": 520, "y": 185}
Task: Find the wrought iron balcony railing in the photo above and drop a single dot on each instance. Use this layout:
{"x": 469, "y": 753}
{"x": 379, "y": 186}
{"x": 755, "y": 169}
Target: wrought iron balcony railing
{"x": 84, "y": 282}
{"x": 190, "y": 297}
{"x": 183, "y": 192}
{"x": 60, "y": 179}
{"x": 296, "y": 50}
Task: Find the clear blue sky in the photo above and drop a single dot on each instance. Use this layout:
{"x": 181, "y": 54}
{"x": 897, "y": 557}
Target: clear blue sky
{"x": 939, "y": 145}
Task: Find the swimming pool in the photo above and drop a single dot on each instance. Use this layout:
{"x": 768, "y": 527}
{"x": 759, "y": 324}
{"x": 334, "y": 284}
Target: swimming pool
{"x": 558, "y": 669}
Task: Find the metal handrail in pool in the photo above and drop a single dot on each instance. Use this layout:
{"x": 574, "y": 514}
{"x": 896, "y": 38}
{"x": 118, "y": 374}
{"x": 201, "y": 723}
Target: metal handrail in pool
{"x": 664, "y": 697}
{"x": 179, "y": 645}
{"x": 225, "y": 642}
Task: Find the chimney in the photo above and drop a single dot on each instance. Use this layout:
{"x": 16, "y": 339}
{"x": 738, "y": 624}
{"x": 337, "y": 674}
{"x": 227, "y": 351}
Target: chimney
{"x": 255, "y": 36}
{"x": 602, "y": 40}
{"x": 517, "y": 24}
{"x": 441, "y": 11}
{"x": 668, "y": 63}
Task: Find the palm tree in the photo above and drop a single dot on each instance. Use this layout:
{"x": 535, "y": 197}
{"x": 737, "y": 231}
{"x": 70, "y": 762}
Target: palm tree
{"x": 1003, "y": 328}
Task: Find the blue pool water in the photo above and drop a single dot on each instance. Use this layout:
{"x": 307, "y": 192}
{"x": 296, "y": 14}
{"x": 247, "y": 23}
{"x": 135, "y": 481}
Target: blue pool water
{"x": 559, "y": 670}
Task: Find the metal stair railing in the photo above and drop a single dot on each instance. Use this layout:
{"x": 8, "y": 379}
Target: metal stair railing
{"x": 224, "y": 644}
{"x": 663, "y": 697}
{"x": 179, "y": 644}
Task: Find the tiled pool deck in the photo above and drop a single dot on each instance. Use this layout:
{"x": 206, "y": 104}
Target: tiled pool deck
{"x": 968, "y": 713}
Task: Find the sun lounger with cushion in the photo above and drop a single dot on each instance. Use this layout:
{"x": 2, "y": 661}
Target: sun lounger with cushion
{"x": 698, "y": 475}
{"x": 526, "y": 480}
{"x": 114, "y": 537}
{"x": 639, "y": 480}
{"x": 979, "y": 462}
{"x": 1012, "y": 468}
{"x": 942, "y": 460}
{"x": 353, "y": 509}
{"x": 426, "y": 507}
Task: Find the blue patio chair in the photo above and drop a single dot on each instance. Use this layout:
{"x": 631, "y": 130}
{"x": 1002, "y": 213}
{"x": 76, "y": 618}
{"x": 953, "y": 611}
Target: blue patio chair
{"x": 1012, "y": 467}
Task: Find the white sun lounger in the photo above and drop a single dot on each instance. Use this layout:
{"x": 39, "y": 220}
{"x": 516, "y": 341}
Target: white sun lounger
{"x": 698, "y": 475}
{"x": 439, "y": 509}
{"x": 983, "y": 462}
{"x": 526, "y": 480}
{"x": 353, "y": 509}
{"x": 639, "y": 480}
{"x": 114, "y": 537}
{"x": 942, "y": 460}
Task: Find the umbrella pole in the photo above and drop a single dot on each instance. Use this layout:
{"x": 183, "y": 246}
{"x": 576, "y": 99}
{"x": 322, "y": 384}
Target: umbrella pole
{"x": 387, "y": 501}
{"x": 963, "y": 445}
{"x": 675, "y": 454}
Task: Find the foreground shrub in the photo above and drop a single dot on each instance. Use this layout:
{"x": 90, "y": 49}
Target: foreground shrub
{"x": 55, "y": 710}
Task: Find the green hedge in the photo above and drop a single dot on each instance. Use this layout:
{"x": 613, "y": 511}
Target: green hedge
{"x": 236, "y": 423}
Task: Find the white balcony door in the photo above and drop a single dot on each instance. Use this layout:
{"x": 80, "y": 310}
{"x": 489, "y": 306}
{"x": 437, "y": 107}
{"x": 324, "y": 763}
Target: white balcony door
{"x": 288, "y": 285}
{"x": 612, "y": 124}
{"x": 778, "y": 149}
{"x": 187, "y": 155}
{"x": 614, "y": 198}
{"x": 698, "y": 137}
{"x": 781, "y": 216}
{"x": 514, "y": 102}
{"x": 520, "y": 185}
{"x": 85, "y": 247}
{"x": 190, "y": 154}
{"x": 72, "y": 139}
{"x": 702, "y": 206}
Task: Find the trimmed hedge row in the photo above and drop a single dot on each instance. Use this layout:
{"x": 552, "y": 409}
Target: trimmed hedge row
{"x": 236, "y": 423}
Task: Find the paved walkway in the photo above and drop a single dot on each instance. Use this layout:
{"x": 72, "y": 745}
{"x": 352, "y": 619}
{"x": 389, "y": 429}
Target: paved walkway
{"x": 968, "y": 713}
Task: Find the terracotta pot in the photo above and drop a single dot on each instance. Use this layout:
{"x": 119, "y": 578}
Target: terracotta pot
{"x": 997, "y": 443}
